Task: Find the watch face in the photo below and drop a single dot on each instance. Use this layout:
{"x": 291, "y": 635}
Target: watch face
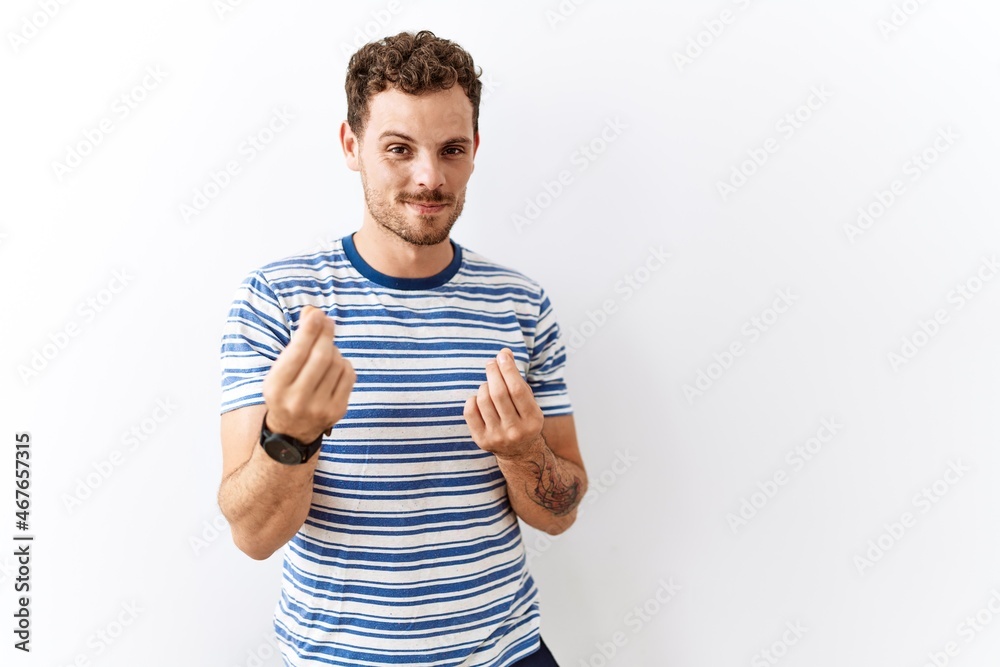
{"x": 282, "y": 452}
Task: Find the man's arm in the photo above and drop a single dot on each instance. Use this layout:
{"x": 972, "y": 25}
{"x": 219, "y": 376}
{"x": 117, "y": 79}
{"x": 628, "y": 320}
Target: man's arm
{"x": 305, "y": 392}
{"x": 266, "y": 502}
{"x": 539, "y": 456}
{"x": 547, "y": 483}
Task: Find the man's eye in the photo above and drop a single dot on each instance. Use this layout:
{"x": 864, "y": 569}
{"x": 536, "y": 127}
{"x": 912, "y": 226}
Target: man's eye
{"x": 458, "y": 151}
{"x": 398, "y": 150}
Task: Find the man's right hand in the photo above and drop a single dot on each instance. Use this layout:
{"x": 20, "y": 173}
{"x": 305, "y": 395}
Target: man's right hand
{"x": 309, "y": 384}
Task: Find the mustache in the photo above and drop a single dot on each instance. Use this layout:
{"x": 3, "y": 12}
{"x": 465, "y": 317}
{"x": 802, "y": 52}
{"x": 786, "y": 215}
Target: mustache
{"x": 429, "y": 198}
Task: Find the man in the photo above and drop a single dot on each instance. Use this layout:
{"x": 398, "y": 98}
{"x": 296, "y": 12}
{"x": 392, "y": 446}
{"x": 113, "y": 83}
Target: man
{"x": 393, "y": 404}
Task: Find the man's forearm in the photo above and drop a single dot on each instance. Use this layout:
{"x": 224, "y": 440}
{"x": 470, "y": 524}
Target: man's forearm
{"x": 544, "y": 489}
{"x": 266, "y": 502}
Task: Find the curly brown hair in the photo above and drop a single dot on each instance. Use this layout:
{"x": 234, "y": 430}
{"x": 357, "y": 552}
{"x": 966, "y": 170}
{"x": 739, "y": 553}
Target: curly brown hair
{"x": 413, "y": 63}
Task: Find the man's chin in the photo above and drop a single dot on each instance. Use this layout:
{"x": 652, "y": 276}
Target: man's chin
{"x": 424, "y": 236}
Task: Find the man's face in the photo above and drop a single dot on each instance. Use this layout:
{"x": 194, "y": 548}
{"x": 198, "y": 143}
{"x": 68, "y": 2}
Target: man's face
{"x": 415, "y": 160}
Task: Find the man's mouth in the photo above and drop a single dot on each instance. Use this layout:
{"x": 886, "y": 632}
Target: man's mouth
{"x": 427, "y": 207}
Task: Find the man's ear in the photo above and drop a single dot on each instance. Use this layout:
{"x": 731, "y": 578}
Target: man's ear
{"x": 351, "y": 146}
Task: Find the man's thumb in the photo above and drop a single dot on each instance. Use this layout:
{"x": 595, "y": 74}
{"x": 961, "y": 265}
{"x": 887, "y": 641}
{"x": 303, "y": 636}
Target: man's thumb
{"x": 325, "y": 321}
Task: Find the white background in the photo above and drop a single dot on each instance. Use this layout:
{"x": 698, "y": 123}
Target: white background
{"x": 141, "y": 547}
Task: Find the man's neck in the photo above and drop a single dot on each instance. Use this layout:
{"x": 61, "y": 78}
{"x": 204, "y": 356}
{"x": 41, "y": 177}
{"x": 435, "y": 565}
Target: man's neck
{"x": 390, "y": 255}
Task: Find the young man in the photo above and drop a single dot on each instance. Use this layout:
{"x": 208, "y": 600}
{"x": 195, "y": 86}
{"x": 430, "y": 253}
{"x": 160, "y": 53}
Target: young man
{"x": 393, "y": 404}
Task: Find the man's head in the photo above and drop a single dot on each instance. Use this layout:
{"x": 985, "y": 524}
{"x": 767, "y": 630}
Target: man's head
{"x": 412, "y": 130}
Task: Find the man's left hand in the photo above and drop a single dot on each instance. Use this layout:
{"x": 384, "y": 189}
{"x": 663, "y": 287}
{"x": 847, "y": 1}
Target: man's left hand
{"x": 503, "y": 415}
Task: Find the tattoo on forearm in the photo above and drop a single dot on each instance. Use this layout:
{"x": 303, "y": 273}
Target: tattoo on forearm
{"x": 552, "y": 492}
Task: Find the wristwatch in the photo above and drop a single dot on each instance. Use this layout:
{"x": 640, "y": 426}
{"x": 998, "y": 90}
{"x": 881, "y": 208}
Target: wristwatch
{"x": 286, "y": 449}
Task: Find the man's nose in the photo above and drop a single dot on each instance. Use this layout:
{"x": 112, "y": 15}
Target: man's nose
{"x": 427, "y": 172}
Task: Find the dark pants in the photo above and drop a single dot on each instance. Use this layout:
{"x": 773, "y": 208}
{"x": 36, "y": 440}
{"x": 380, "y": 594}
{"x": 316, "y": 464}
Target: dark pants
{"x": 540, "y": 658}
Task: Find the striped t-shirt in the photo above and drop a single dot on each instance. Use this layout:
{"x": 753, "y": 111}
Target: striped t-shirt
{"x": 411, "y": 553}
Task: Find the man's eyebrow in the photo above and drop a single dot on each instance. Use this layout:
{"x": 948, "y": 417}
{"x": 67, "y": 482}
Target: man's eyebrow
{"x": 405, "y": 137}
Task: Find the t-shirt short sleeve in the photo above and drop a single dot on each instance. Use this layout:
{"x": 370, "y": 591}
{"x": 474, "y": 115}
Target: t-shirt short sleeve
{"x": 548, "y": 362}
{"x": 255, "y": 333}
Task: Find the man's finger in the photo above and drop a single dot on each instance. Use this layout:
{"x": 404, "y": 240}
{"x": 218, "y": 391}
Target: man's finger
{"x": 328, "y": 383}
{"x": 322, "y": 356}
{"x": 293, "y": 357}
{"x": 486, "y": 408}
{"x": 472, "y": 417}
{"x": 345, "y": 384}
{"x": 515, "y": 383}
{"x": 499, "y": 393}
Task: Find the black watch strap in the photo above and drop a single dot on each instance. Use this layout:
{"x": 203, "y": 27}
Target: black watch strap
{"x": 286, "y": 449}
